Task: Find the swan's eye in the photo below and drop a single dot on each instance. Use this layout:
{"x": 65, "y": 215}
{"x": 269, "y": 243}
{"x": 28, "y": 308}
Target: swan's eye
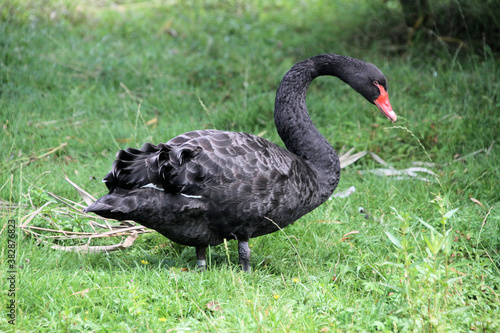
{"x": 375, "y": 83}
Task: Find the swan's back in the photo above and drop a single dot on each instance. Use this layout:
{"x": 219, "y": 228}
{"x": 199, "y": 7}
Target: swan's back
{"x": 244, "y": 184}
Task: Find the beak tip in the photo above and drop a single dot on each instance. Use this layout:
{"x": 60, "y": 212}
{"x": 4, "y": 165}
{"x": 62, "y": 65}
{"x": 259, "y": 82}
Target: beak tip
{"x": 393, "y": 117}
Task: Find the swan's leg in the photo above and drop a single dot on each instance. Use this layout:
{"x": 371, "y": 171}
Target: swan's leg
{"x": 201, "y": 257}
{"x": 244, "y": 251}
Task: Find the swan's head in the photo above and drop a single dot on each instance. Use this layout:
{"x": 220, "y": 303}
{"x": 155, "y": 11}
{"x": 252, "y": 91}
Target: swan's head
{"x": 372, "y": 84}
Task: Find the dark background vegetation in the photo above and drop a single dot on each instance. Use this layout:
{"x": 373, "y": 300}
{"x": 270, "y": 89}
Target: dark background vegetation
{"x": 428, "y": 24}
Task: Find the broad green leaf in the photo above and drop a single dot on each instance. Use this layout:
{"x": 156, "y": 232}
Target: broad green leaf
{"x": 394, "y": 240}
{"x": 453, "y": 280}
{"x": 401, "y": 290}
{"x": 459, "y": 310}
{"x": 450, "y": 213}
{"x": 430, "y": 227}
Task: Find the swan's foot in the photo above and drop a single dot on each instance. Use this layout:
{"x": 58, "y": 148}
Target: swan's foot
{"x": 201, "y": 258}
{"x": 244, "y": 251}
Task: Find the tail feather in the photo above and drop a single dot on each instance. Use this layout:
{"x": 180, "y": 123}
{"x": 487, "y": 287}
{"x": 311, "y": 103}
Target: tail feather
{"x": 134, "y": 168}
{"x": 114, "y": 205}
{"x": 159, "y": 165}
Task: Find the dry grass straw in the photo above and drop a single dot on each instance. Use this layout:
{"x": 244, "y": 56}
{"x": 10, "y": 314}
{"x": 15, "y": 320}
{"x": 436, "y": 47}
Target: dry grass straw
{"x": 99, "y": 227}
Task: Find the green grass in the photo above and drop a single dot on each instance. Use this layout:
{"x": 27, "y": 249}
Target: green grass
{"x": 95, "y": 76}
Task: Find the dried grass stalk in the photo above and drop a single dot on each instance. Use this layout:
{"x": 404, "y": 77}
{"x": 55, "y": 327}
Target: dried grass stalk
{"x": 70, "y": 209}
{"x": 93, "y": 249}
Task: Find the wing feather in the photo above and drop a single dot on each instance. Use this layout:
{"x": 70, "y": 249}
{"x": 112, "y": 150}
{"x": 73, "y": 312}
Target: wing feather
{"x": 219, "y": 165}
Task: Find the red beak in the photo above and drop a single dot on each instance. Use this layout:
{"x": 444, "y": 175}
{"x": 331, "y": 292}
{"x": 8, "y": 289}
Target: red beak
{"x": 382, "y": 102}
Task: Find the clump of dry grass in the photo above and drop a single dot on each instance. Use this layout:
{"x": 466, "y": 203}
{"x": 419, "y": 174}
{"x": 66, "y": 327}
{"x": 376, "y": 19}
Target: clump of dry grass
{"x": 97, "y": 228}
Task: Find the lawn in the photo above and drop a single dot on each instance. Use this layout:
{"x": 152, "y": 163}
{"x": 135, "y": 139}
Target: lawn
{"x": 82, "y": 79}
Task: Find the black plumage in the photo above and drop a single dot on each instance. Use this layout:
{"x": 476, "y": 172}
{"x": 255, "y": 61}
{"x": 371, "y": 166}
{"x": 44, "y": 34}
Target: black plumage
{"x": 205, "y": 186}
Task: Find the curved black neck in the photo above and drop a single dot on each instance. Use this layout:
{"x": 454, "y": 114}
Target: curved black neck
{"x": 292, "y": 119}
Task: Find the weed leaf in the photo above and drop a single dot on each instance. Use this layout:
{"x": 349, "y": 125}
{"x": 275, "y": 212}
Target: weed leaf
{"x": 453, "y": 280}
{"x": 450, "y": 213}
{"x": 394, "y": 240}
{"x": 430, "y": 227}
{"x": 459, "y": 310}
{"x": 401, "y": 290}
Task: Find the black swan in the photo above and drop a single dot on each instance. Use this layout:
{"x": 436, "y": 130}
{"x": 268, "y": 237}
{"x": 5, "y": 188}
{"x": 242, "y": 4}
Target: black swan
{"x": 205, "y": 186}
